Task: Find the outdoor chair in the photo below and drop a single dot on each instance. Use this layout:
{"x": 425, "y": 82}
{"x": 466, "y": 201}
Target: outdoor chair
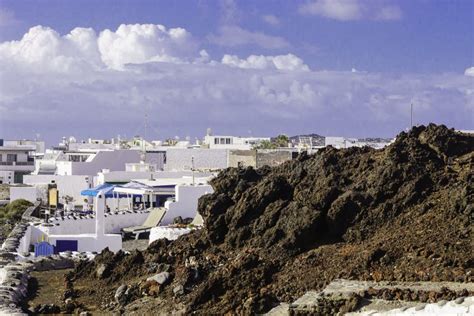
{"x": 198, "y": 220}
{"x": 154, "y": 218}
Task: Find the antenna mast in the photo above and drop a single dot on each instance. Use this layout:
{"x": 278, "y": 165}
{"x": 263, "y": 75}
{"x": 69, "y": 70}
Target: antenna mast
{"x": 411, "y": 115}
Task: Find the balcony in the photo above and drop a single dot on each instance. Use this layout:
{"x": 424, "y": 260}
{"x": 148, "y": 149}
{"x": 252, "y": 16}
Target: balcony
{"x": 17, "y": 163}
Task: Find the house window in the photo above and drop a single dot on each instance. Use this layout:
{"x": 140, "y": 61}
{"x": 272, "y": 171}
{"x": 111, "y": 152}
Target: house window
{"x": 216, "y": 141}
{"x": 11, "y": 157}
{"x": 222, "y": 141}
{"x": 227, "y": 141}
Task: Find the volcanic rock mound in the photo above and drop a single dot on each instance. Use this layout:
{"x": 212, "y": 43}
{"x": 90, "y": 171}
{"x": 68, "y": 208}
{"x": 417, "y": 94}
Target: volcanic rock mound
{"x": 403, "y": 213}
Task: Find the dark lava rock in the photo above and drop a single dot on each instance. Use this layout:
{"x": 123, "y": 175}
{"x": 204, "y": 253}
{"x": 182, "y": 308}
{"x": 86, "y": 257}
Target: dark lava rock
{"x": 47, "y": 309}
{"x": 402, "y": 213}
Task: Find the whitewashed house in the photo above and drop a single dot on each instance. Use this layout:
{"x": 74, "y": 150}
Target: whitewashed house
{"x": 17, "y": 158}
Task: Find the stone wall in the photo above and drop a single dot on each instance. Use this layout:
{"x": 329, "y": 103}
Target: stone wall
{"x": 204, "y": 159}
{"x": 272, "y": 157}
{"x": 243, "y": 158}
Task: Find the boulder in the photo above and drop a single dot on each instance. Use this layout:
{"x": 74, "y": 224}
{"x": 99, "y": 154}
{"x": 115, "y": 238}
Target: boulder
{"x": 102, "y": 271}
{"x": 178, "y": 290}
{"x": 161, "y": 278}
{"x": 120, "y": 296}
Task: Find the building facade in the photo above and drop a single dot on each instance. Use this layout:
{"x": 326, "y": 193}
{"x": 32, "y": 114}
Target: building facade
{"x": 17, "y": 158}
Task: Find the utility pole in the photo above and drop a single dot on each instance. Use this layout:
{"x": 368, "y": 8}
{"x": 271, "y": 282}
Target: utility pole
{"x": 192, "y": 168}
{"x": 146, "y": 121}
{"x": 144, "y": 140}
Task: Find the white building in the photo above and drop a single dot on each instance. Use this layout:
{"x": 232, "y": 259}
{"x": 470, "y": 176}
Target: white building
{"x": 339, "y": 142}
{"x": 126, "y": 176}
{"x": 344, "y": 142}
{"x": 78, "y": 234}
{"x": 68, "y": 186}
{"x": 185, "y": 202}
{"x": 102, "y": 229}
{"x": 17, "y": 158}
{"x": 91, "y": 162}
{"x": 232, "y": 142}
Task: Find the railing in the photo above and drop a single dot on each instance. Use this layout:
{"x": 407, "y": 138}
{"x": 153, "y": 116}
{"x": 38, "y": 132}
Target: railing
{"x": 17, "y": 163}
{"x": 25, "y": 163}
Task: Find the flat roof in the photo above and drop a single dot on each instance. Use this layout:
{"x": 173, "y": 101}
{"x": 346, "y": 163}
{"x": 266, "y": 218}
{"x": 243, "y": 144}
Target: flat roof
{"x": 172, "y": 181}
{"x": 18, "y": 148}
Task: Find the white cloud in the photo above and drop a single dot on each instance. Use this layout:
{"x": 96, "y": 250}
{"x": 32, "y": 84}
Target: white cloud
{"x": 349, "y": 10}
{"x": 45, "y": 48}
{"x": 140, "y": 43}
{"x": 271, "y": 19}
{"x": 46, "y": 75}
{"x": 233, "y": 35}
{"x": 335, "y": 9}
{"x": 469, "y": 72}
{"x": 280, "y": 62}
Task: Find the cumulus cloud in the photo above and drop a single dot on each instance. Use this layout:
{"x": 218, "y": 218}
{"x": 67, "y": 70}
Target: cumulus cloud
{"x": 45, "y": 48}
{"x": 469, "y": 72}
{"x": 265, "y": 94}
{"x": 271, "y": 19}
{"x": 280, "y": 62}
{"x": 233, "y": 35}
{"x": 348, "y": 10}
{"x": 140, "y": 43}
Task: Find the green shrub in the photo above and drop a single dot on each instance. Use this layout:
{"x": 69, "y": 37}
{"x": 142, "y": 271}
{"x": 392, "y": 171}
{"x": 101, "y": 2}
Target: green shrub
{"x": 15, "y": 209}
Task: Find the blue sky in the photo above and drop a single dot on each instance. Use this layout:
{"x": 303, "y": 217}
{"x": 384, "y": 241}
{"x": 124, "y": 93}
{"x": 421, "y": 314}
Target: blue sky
{"x": 402, "y": 50}
{"x": 430, "y": 37}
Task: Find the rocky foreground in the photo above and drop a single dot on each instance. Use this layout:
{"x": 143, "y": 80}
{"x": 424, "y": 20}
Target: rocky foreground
{"x": 403, "y": 213}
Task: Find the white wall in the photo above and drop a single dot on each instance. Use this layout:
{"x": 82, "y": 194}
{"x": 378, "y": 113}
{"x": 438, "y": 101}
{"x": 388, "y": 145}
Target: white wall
{"x": 180, "y": 159}
{"x": 90, "y": 242}
{"x": 7, "y": 177}
{"x": 186, "y": 202}
{"x": 32, "y": 235}
{"x": 27, "y": 193}
{"x": 67, "y": 185}
{"x": 112, "y": 160}
{"x": 113, "y": 224}
{"x": 127, "y": 176}
{"x": 242, "y": 143}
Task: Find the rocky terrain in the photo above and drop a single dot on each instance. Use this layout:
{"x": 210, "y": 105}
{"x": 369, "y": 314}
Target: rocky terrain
{"x": 403, "y": 213}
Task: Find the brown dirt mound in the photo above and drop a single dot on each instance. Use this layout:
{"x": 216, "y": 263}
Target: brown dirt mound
{"x": 402, "y": 213}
